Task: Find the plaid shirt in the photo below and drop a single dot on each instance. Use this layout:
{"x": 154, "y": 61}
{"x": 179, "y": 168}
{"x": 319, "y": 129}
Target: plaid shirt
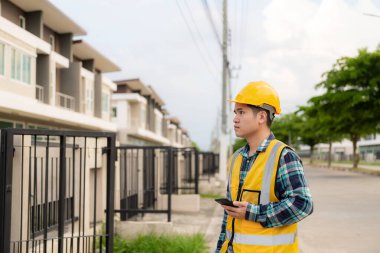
{"x": 291, "y": 189}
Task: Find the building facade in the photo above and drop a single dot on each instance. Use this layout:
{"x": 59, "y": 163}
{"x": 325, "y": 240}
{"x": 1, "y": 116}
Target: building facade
{"x": 47, "y": 80}
{"x": 139, "y": 113}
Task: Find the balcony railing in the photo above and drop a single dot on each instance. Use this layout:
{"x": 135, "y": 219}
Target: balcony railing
{"x": 65, "y": 101}
{"x": 39, "y": 93}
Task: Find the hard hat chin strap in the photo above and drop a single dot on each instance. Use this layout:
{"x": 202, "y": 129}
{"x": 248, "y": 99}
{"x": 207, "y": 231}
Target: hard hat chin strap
{"x": 270, "y": 109}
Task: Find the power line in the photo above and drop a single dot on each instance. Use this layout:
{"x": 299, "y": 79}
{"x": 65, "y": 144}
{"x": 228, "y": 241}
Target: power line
{"x": 244, "y": 26}
{"x": 196, "y": 43}
{"x": 211, "y": 21}
{"x": 199, "y": 33}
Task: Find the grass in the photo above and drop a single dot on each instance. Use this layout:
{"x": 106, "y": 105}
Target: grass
{"x": 211, "y": 196}
{"x": 153, "y": 243}
{"x": 342, "y": 162}
{"x": 359, "y": 169}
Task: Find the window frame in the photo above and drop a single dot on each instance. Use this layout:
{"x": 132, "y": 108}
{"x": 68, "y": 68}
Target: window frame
{"x": 19, "y": 71}
{"x": 2, "y": 58}
{"x": 22, "y": 21}
{"x": 105, "y": 102}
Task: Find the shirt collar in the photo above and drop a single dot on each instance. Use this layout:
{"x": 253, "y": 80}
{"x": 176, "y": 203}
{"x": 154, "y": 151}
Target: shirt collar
{"x": 261, "y": 148}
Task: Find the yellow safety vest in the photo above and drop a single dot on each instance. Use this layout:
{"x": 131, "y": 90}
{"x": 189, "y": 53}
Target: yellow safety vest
{"x": 258, "y": 188}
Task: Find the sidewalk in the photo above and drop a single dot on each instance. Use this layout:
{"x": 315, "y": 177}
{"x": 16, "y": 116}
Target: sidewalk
{"x": 206, "y": 222}
{"x": 366, "y": 169}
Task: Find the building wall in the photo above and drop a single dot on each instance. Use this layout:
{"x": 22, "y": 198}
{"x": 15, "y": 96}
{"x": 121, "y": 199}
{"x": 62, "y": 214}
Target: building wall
{"x": 11, "y": 12}
{"x": 13, "y": 46}
{"x": 47, "y": 32}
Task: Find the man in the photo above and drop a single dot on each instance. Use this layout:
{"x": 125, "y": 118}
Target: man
{"x": 266, "y": 181}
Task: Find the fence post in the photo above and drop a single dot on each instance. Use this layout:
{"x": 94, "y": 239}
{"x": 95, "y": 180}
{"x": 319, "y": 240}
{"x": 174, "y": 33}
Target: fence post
{"x": 196, "y": 172}
{"x": 170, "y": 185}
{"x": 2, "y": 188}
{"x": 110, "y": 189}
{"x": 6, "y": 189}
{"x": 62, "y": 192}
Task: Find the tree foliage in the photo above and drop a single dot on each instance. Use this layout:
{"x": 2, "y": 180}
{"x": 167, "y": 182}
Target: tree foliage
{"x": 352, "y": 96}
{"x": 286, "y": 128}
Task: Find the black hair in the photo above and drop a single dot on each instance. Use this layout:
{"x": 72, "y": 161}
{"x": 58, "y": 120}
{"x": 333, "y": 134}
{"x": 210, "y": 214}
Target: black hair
{"x": 257, "y": 109}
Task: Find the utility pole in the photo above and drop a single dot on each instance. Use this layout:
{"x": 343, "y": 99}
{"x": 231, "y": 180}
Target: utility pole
{"x": 223, "y": 141}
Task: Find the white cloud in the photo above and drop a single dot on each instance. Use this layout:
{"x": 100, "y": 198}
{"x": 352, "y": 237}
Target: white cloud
{"x": 286, "y": 20}
{"x": 303, "y": 39}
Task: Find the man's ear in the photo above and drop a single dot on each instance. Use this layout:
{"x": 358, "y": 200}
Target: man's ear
{"x": 262, "y": 117}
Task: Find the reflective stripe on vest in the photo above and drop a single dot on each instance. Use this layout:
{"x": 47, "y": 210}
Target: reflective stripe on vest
{"x": 269, "y": 169}
{"x": 237, "y": 152}
{"x": 262, "y": 240}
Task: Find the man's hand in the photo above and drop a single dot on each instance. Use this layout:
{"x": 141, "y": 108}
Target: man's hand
{"x": 237, "y": 212}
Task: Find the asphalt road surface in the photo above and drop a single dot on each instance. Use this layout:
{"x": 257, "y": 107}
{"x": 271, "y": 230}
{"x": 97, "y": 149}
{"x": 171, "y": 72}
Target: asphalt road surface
{"x": 346, "y": 217}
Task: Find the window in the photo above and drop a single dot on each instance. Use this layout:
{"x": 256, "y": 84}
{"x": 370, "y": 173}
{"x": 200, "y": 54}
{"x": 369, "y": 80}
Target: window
{"x": 21, "y": 20}
{"x": 89, "y": 96}
{"x": 52, "y": 41}
{"x": 10, "y": 124}
{"x": 114, "y": 112}
{"x": 6, "y": 124}
{"x": 19, "y": 125}
{"x": 105, "y": 102}
{"x": 21, "y": 66}
{"x": 2, "y": 58}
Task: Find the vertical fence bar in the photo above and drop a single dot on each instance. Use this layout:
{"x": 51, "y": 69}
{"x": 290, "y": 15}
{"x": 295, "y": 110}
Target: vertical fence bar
{"x": 110, "y": 192}
{"x": 73, "y": 197}
{"x": 196, "y": 167}
{"x": 95, "y": 192}
{"x": 22, "y": 187}
{"x": 80, "y": 218}
{"x": 2, "y": 187}
{"x": 6, "y": 194}
{"x": 62, "y": 192}
{"x": 84, "y": 188}
{"x": 170, "y": 186}
{"x": 34, "y": 210}
{"x": 28, "y": 227}
{"x": 46, "y": 193}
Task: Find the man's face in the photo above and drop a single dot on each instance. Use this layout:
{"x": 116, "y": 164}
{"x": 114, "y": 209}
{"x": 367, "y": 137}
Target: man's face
{"x": 246, "y": 122}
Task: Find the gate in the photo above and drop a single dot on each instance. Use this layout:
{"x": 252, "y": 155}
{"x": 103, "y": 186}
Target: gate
{"x": 152, "y": 173}
{"x": 144, "y": 172}
{"x": 54, "y": 186}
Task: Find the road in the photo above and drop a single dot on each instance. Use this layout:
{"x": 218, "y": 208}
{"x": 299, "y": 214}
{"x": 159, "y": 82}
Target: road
{"x": 346, "y": 216}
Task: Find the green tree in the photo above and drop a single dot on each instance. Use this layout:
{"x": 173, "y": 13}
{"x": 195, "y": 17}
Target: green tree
{"x": 318, "y": 126}
{"x": 286, "y": 128}
{"x": 308, "y": 125}
{"x": 352, "y": 96}
{"x": 195, "y": 146}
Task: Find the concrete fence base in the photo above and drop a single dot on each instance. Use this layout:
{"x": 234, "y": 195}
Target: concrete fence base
{"x": 180, "y": 203}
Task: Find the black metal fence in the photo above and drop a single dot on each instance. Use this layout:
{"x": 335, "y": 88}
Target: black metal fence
{"x": 57, "y": 187}
{"x": 210, "y": 164}
{"x": 54, "y": 186}
{"x": 148, "y": 174}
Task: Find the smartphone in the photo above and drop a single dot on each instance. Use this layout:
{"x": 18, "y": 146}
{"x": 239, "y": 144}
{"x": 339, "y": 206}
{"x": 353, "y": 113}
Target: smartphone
{"x": 225, "y": 202}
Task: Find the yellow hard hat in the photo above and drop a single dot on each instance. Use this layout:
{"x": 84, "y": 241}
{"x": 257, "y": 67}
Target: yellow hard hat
{"x": 259, "y": 94}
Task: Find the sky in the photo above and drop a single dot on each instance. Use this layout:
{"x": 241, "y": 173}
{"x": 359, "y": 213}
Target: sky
{"x": 170, "y": 45}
